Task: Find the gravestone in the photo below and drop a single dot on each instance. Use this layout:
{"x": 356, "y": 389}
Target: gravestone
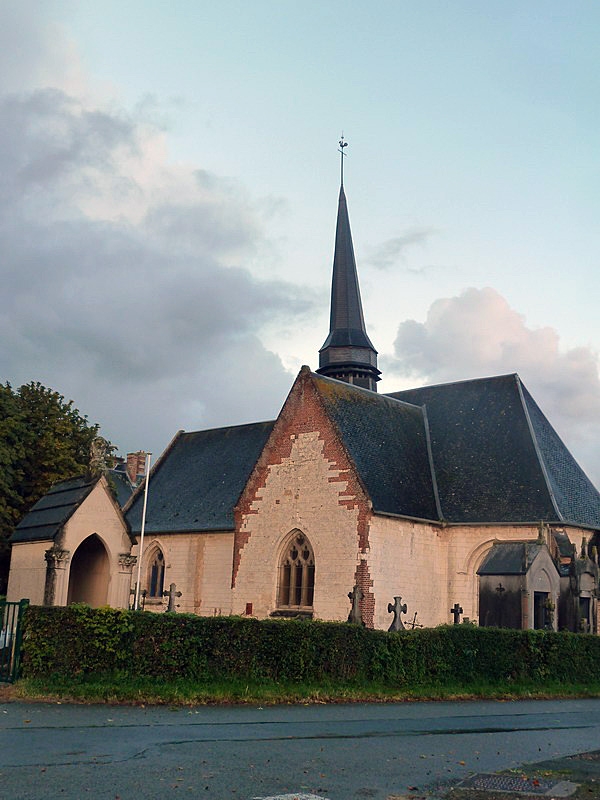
{"x": 456, "y": 611}
{"x": 396, "y": 608}
{"x": 355, "y": 596}
{"x": 172, "y": 594}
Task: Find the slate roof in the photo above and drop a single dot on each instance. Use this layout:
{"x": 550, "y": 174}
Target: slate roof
{"x": 387, "y": 440}
{"x": 564, "y": 544}
{"x": 122, "y": 485}
{"x": 198, "y": 481}
{"x": 471, "y": 452}
{"x": 53, "y": 510}
{"x": 510, "y": 558}
{"x": 575, "y": 496}
{"x": 496, "y": 457}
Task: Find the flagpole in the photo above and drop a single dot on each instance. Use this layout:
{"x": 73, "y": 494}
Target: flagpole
{"x": 136, "y": 603}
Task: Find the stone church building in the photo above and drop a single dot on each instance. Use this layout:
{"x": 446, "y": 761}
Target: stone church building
{"x": 459, "y": 498}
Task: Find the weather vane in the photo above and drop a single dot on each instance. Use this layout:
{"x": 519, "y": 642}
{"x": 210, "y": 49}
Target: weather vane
{"x": 342, "y": 144}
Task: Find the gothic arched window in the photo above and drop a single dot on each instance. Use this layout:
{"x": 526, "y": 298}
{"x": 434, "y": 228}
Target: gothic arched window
{"x": 156, "y": 573}
{"x": 296, "y": 573}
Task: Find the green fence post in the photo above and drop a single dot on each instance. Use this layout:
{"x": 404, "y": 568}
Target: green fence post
{"x": 18, "y": 645}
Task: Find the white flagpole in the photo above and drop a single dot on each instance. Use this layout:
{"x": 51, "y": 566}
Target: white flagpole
{"x": 136, "y": 603}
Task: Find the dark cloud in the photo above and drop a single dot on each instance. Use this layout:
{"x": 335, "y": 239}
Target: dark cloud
{"x": 478, "y": 334}
{"x": 125, "y": 277}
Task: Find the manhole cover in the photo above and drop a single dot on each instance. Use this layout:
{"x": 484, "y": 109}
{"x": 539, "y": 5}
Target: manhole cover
{"x": 519, "y": 784}
{"x": 293, "y": 796}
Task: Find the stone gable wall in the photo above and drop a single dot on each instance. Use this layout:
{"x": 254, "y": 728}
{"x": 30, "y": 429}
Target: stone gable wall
{"x": 42, "y": 582}
{"x": 98, "y": 514}
{"x": 303, "y": 481}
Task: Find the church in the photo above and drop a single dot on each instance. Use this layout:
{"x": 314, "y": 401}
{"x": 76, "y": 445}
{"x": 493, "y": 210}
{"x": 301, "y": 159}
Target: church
{"x": 449, "y": 503}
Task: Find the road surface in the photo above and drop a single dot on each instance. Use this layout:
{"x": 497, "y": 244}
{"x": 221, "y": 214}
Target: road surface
{"x": 339, "y": 752}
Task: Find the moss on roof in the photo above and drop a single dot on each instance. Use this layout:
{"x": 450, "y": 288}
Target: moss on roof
{"x": 387, "y": 441}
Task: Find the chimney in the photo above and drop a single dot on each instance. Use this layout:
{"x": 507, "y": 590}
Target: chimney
{"x": 136, "y": 465}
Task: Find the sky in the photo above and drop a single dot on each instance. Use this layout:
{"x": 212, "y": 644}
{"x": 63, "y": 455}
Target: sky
{"x": 170, "y": 174}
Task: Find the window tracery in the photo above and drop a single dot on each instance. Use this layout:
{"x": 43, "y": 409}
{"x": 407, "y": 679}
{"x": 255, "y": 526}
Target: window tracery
{"x": 296, "y": 573}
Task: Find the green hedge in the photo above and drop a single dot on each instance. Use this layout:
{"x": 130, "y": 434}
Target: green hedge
{"x": 78, "y": 640}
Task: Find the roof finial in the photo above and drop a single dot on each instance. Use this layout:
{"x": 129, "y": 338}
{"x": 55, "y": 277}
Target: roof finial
{"x": 342, "y": 144}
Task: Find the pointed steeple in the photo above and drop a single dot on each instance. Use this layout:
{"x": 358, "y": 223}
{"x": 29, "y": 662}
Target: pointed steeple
{"x": 347, "y": 353}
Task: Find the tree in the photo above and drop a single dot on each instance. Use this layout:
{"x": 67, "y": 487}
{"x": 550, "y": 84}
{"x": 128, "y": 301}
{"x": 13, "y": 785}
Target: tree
{"x": 43, "y": 439}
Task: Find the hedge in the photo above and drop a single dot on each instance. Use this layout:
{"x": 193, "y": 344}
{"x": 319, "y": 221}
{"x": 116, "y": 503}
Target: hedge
{"x": 79, "y": 641}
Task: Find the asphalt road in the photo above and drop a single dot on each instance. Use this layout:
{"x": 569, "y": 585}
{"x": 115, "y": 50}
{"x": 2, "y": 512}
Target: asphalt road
{"x": 340, "y": 752}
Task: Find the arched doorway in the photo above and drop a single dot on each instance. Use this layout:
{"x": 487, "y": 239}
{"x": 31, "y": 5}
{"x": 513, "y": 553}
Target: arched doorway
{"x": 89, "y": 574}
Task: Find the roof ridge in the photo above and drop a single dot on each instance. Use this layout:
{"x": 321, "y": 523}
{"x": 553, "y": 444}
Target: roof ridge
{"x": 81, "y": 476}
{"x": 455, "y": 383}
{"x": 538, "y": 451}
{"x": 159, "y": 461}
{"x": 227, "y": 427}
{"x": 436, "y": 494}
{"x": 353, "y": 387}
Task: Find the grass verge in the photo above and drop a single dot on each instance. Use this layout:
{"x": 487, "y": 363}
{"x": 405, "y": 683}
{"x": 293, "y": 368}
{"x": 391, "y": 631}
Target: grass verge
{"x": 150, "y": 691}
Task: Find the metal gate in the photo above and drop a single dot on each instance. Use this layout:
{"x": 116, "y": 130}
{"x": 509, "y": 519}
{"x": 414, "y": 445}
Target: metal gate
{"x": 11, "y": 637}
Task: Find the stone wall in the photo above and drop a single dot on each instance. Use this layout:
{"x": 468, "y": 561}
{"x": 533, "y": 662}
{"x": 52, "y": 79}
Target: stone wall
{"x": 27, "y": 572}
{"x": 432, "y": 567}
{"x": 467, "y": 547}
{"x": 199, "y": 564}
{"x": 41, "y": 571}
{"x": 303, "y": 481}
{"x": 98, "y": 515}
{"x": 409, "y": 559}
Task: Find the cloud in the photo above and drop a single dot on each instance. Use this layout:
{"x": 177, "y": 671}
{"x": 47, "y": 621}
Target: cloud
{"x": 34, "y": 50}
{"x": 127, "y": 279}
{"x": 390, "y": 252}
{"x": 477, "y": 333}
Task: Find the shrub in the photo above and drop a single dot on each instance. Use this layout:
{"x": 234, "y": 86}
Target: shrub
{"x": 80, "y": 641}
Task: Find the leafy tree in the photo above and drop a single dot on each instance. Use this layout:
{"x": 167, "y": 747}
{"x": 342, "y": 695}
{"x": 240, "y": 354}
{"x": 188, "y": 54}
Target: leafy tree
{"x": 43, "y": 439}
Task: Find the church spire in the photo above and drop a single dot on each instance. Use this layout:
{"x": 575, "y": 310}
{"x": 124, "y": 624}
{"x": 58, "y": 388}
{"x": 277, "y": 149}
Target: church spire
{"x": 347, "y": 353}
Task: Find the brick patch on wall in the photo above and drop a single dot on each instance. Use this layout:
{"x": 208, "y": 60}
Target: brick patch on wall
{"x": 367, "y": 605}
{"x": 303, "y": 412}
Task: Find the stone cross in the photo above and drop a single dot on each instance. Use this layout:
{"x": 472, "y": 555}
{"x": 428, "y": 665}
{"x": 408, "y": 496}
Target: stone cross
{"x": 355, "y": 596}
{"x": 456, "y": 611}
{"x": 414, "y": 624}
{"x": 396, "y": 608}
{"x": 172, "y": 594}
